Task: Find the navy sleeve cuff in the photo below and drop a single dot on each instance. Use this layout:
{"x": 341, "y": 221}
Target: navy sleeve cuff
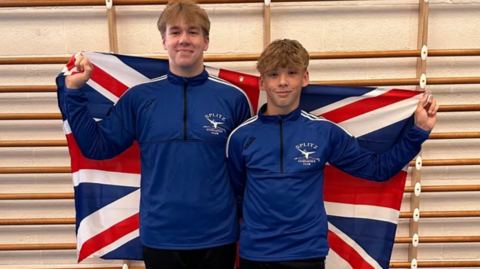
{"x": 425, "y": 134}
{"x": 73, "y": 91}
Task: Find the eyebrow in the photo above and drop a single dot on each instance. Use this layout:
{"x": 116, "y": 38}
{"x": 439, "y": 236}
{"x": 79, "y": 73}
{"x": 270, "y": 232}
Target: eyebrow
{"x": 189, "y": 28}
{"x": 174, "y": 28}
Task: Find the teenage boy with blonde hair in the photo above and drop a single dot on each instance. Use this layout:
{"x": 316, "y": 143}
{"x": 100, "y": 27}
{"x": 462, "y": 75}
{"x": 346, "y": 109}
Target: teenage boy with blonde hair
{"x": 181, "y": 122}
{"x": 277, "y": 158}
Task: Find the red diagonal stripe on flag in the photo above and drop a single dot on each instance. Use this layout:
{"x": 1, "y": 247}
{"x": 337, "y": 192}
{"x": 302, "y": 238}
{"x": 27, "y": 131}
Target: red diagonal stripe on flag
{"x": 108, "y": 236}
{"x": 341, "y": 187}
{"x": 346, "y": 252}
{"x": 367, "y": 105}
{"x": 248, "y": 83}
{"x": 127, "y": 162}
{"x": 71, "y": 63}
{"x": 108, "y": 82}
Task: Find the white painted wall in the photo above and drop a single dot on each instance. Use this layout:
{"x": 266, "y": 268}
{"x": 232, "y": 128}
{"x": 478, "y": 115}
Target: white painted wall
{"x": 238, "y": 28}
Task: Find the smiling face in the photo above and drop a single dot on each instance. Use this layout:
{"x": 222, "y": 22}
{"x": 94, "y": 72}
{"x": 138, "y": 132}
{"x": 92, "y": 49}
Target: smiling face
{"x": 283, "y": 87}
{"x": 185, "y": 29}
{"x": 185, "y": 45}
{"x": 283, "y": 74}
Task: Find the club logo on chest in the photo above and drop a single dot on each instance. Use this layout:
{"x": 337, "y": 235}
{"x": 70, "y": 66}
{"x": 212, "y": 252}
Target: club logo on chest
{"x": 307, "y": 150}
{"x": 216, "y": 121}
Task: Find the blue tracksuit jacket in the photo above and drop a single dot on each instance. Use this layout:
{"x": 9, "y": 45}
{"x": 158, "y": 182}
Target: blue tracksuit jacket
{"x": 276, "y": 165}
{"x": 181, "y": 126}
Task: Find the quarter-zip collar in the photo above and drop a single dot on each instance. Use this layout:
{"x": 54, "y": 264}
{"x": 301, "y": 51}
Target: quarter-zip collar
{"x": 191, "y": 81}
{"x": 290, "y": 117}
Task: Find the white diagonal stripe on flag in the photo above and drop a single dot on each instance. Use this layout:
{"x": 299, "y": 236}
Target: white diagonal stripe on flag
{"x": 117, "y": 69}
{"x": 350, "y": 100}
{"x": 355, "y": 246}
{"x": 106, "y": 177}
{"x": 110, "y": 215}
{"x": 380, "y": 118}
{"x": 110, "y": 96}
{"x": 66, "y": 127}
{"x": 362, "y": 211}
{"x": 115, "y": 245}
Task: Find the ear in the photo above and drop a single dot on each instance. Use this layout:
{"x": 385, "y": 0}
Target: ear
{"x": 207, "y": 42}
{"x": 261, "y": 83}
{"x": 163, "y": 42}
{"x": 306, "y": 79}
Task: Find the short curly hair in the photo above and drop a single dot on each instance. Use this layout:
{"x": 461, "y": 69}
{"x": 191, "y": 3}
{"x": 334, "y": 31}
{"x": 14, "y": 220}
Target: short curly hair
{"x": 283, "y": 53}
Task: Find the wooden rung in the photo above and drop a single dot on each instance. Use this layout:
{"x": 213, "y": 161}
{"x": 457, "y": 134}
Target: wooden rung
{"x": 398, "y": 240}
{"x": 254, "y": 57}
{"x": 58, "y": 116}
{"x": 63, "y": 143}
{"x": 46, "y": 196}
{"x": 31, "y": 116}
{"x": 459, "y": 135}
{"x": 442, "y": 214}
{"x": 28, "y": 88}
{"x": 33, "y": 143}
{"x": 65, "y": 169}
{"x": 459, "y": 108}
{"x": 57, "y": 246}
{"x": 439, "y": 239}
{"x": 451, "y": 188}
{"x": 70, "y": 221}
{"x": 45, "y": 221}
{"x": 366, "y": 82}
{"x": 425, "y": 264}
{"x": 440, "y": 162}
{"x": 36, "y": 196}
{"x": 35, "y": 170}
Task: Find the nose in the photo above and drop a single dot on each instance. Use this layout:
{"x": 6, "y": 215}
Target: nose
{"x": 184, "y": 38}
{"x": 282, "y": 80}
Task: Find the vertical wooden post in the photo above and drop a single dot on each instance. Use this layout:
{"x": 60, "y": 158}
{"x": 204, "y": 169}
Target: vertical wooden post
{"x": 266, "y": 24}
{"x": 112, "y": 27}
{"x": 421, "y": 69}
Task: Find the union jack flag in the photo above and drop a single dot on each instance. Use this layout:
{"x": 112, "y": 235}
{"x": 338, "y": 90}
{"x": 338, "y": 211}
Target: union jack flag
{"x": 362, "y": 215}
